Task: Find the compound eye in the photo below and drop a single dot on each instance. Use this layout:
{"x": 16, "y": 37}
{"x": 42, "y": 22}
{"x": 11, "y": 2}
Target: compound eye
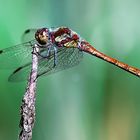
{"x": 42, "y": 36}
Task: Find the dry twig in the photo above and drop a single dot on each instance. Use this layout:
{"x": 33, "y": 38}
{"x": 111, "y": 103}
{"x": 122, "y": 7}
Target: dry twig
{"x": 28, "y": 101}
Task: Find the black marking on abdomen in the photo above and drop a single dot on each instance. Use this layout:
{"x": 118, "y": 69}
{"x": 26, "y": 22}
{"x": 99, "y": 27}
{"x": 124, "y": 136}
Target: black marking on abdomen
{"x": 27, "y": 31}
{"x": 1, "y": 51}
{"x": 18, "y": 69}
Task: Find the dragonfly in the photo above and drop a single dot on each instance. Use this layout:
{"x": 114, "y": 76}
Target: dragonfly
{"x": 59, "y": 48}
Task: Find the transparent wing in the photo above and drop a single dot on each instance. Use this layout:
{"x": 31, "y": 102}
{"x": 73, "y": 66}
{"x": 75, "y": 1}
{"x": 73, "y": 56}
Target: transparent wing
{"x": 28, "y": 35}
{"x": 20, "y": 54}
{"x": 66, "y": 58}
{"x": 15, "y": 56}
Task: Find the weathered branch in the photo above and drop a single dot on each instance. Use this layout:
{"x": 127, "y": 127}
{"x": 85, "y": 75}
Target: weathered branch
{"x": 28, "y": 101}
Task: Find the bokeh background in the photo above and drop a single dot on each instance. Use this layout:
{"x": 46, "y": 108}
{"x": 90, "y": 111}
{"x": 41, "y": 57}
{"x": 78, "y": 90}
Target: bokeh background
{"x": 93, "y": 101}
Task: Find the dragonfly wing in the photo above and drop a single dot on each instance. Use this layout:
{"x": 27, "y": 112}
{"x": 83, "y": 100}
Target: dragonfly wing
{"x": 28, "y": 35}
{"x": 15, "y": 56}
{"x": 66, "y": 58}
{"x": 21, "y": 73}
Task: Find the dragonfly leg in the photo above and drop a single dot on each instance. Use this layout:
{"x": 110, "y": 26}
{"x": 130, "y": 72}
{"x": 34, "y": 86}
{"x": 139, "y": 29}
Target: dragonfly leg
{"x": 55, "y": 56}
{"x": 36, "y": 48}
{"x": 48, "y": 52}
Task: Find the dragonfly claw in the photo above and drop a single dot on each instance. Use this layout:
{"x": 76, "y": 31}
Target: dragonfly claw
{"x": 55, "y": 56}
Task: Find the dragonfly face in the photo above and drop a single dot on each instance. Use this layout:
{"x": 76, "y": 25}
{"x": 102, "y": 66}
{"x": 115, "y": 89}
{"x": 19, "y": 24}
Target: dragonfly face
{"x": 42, "y": 36}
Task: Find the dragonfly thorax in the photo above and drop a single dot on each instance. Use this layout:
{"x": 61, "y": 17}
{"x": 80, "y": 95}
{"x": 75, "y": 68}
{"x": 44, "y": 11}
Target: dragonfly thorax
{"x": 65, "y": 37}
{"x": 42, "y": 36}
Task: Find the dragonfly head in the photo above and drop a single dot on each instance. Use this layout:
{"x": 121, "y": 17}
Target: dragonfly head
{"x": 42, "y": 36}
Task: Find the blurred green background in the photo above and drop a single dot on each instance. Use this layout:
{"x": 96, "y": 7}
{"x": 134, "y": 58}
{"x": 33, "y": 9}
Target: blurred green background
{"x": 93, "y": 101}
